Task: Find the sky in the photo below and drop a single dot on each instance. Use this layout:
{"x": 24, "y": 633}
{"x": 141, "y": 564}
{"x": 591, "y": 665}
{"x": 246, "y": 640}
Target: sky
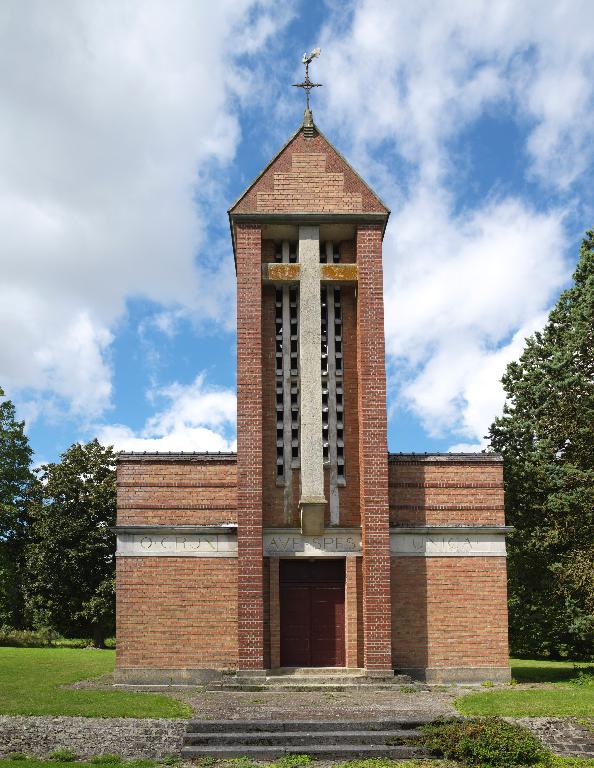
{"x": 128, "y": 127}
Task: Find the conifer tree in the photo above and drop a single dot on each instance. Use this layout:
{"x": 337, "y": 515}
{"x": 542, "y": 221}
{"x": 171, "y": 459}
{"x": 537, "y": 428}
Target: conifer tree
{"x": 15, "y": 484}
{"x": 546, "y": 436}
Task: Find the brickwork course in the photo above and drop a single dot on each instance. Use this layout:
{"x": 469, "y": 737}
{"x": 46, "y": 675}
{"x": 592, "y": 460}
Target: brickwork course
{"x": 440, "y": 613}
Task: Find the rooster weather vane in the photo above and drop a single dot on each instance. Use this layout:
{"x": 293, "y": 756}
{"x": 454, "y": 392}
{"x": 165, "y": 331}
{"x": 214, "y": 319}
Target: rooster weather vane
{"x": 307, "y": 84}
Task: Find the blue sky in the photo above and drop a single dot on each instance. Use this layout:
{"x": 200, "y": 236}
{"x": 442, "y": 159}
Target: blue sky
{"x": 129, "y": 128}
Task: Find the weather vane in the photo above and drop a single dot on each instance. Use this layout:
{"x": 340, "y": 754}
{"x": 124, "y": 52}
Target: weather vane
{"x": 307, "y": 84}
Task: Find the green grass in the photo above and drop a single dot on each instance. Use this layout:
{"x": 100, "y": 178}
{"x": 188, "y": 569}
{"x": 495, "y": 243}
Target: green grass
{"x": 30, "y": 680}
{"x": 556, "y": 762}
{"x": 558, "y": 698}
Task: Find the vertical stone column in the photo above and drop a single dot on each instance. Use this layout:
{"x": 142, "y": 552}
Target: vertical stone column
{"x": 249, "y": 447}
{"x": 312, "y": 502}
{"x": 373, "y": 450}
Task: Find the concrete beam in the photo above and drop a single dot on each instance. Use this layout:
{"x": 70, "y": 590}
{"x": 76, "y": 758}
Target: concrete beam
{"x": 339, "y": 273}
{"x": 281, "y": 273}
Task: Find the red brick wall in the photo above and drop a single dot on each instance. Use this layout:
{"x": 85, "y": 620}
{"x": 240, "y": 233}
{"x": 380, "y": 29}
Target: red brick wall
{"x": 249, "y": 447}
{"x": 176, "y": 612}
{"x": 373, "y": 456}
{"x": 177, "y": 492}
{"x": 353, "y": 612}
{"x": 446, "y": 492}
{"x": 274, "y": 609}
{"x": 449, "y": 612}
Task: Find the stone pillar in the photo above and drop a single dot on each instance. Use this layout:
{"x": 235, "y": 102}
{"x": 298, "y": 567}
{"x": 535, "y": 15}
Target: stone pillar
{"x": 312, "y": 502}
{"x": 249, "y": 447}
{"x": 352, "y": 612}
{"x": 274, "y": 591}
{"x": 373, "y": 450}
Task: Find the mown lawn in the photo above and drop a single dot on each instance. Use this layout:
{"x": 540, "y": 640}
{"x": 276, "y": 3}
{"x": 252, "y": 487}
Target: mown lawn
{"x": 30, "y": 680}
{"x": 555, "y": 692}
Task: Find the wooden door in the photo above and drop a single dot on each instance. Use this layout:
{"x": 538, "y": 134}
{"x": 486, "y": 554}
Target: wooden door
{"x": 312, "y": 613}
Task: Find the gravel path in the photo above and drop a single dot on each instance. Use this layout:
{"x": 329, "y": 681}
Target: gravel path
{"x": 86, "y": 736}
{"x": 564, "y": 736}
{"x": 313, "y": 705}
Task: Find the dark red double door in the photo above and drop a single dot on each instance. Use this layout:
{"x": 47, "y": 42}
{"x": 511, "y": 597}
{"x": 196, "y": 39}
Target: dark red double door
{"x": 312, "y": 613}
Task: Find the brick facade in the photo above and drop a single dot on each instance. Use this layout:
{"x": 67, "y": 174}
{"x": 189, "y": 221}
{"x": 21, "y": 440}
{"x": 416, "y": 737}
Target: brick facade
{"x": 198, "y": 609}
{"x": 373, "y": 451}
{"x": 183, "y": 492}
{"x": 249, "y": 447}
{"x": 176, "y": 613}
{"x": 449, "y": 614}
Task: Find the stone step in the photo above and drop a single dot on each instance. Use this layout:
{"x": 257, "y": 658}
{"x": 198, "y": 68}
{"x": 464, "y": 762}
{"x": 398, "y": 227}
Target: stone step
{"x": 310, "y": 682}
{"x": 396, "y": 737}
{"x": 322, "y": 752}
{"x": 308, "y": 726}
{"x": 329, "y": 687}
{"x": 317, "y": 671}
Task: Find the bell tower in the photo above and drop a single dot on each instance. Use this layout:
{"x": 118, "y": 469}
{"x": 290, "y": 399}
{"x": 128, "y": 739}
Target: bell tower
{"x": 312, "y": 453}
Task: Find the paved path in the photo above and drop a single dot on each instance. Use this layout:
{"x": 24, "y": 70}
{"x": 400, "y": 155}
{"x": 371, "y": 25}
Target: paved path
{"x": 311, "y": 705}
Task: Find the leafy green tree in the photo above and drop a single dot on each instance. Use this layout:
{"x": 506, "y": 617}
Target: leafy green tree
{"x": 546, "y": 436}
{"x": 16, "y": 480}
{"x": 70, "y": 560}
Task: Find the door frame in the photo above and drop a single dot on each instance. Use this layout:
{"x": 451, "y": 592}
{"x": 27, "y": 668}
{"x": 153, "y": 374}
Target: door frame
{"x": 353, "y": 610}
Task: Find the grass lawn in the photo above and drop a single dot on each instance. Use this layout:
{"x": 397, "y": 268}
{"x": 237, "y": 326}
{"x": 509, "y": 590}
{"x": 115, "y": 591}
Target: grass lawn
{"x": 556, "y": 762}
{"x": 30, "y": 680}
{"x": 560, "y": 698}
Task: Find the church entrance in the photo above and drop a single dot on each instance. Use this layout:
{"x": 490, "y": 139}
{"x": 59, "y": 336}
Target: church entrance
{"x": 312, "y": 613}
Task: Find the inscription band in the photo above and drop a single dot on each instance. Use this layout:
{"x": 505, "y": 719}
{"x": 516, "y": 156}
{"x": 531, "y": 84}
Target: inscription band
{"x": 221, "y": 541}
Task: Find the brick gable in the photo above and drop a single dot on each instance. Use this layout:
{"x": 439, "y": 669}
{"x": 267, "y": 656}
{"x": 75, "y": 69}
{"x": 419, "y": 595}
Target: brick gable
{"x": 309, "y": 176}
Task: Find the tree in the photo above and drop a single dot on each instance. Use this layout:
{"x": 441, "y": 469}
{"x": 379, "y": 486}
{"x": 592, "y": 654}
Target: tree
{"x": 546, "y": 436}
{"x": 16, "y": 479}
{"x": 70, "y": 559}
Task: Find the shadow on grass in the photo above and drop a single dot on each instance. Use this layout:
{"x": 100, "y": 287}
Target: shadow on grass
{"x": 544, "y": 671}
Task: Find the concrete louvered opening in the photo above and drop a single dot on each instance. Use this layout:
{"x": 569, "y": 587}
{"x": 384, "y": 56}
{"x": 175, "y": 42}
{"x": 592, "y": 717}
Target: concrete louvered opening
{"x": 287, "y": 369}
{"x": 287, "y": 385}
{"x": 332, "y": 381}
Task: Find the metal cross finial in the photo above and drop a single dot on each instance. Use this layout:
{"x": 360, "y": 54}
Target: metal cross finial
{"x": 307, "y": 84}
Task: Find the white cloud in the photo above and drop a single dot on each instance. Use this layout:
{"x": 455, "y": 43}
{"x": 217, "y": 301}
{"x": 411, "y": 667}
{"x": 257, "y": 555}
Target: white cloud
{"x": 110, "y": 114}
{"x": 456, "y": 292}
{"x": 462, "y": 287}
{"x": 419, "y": 73}
{"x": 196, "y": 418}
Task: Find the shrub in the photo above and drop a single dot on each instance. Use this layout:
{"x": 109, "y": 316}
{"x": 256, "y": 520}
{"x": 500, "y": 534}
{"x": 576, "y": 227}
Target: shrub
{"x": 105, "y": 760}
{"x": 16, "y": 756}
{"x": 484, "y": 742}
{"x": 63, "y": 756}
{"x": 585, "y": 676}
{"x": 27, "y": 638}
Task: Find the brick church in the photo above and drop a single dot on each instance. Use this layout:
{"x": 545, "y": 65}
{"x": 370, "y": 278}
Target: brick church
{"x": 313, "y": 546}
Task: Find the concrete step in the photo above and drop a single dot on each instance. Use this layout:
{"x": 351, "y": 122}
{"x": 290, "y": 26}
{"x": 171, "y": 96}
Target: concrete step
{"x": 196, "y": 726}
{"x": 322, "y": 752}
{"x": 396, "y": 737}
{"x": 317, "y": 671}
{"x": 329, "y": 687}
{"x": 310, "y": 682}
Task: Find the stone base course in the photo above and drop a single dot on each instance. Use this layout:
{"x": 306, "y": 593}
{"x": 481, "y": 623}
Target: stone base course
{"x": 87, "y": 736}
